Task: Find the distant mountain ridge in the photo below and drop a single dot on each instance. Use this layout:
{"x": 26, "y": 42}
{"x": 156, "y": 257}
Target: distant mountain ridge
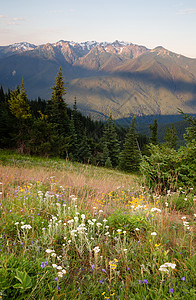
{"x": 127, "y": 78}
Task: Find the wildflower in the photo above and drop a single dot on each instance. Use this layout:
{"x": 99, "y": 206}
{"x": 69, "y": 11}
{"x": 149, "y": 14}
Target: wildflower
{"x": 145, "y": 281}
{"x": 137, "y": 229}
{"x": 166, "y": 204}
{"x": 54, "y": 266}
{"x": 83, "y": 216}
{"x": 171, "y": 290}
{"x": 183, "y": 218}
{"x": 125, "y": 250}
{"x": 64, "y": 271}
{"x": 104, "y": 220}
{"x": 94, "y": 220}
{"x": 119, "y": 231}
{"x": 16, "y": 223}
{"x": 60, "y": 274}
{"x": 153, "y": 233}
{"x": 93, "y": 266}
{"x": 184, "y": 278}
{"x": 96, "y": 249}
{"x": 53, "y": 254}
{"x": 124, "y": 231}
{"x": 59, "y": 268}
{"x": 26, "y": 227}
{"x": 155, "y": 209}
{"x": 49, "y": 251}
{"x": 103, "y": 270}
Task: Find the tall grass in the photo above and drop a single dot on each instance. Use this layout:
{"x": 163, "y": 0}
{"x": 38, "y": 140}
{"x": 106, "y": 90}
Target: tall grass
{"x": 71, "y": 231}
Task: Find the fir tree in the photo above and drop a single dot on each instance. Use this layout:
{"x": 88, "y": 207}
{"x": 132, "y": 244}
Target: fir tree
{"x": 154, "y": 130}
{"x": 20, "y": 109}
{"x": 171, "y": 137}
{"x": 57, "y": 108}
{"x": 110, "y": 143}
{"x": 130, "y": 156}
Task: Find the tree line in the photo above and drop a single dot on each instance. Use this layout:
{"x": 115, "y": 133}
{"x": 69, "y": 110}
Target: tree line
{"x": 51, "y": 128}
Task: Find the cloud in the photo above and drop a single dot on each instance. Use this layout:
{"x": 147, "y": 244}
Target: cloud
{"x": 187, "y": 11}
{"x": 11, "y": 21}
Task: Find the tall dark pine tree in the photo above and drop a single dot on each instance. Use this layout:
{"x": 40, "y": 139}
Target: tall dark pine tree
{"x": 57, "y": 115}
{"x": 57, "y": 108}
{"x": 130, "y": 156}
{"x": 110, "y": 143}
{"x": 154, "y": 130}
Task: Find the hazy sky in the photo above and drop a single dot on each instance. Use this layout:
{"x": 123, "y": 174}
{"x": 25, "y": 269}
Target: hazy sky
{"x": 167, "y": 23}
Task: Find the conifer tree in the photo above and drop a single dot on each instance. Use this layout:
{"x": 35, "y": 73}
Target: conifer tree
{"x": 130, "y": 156}
{"x": 154, "y": 130}
{"x": 20, "y": 109}
{"x": 171, "y": 137}
{"x": 57, "y": 108}
{"x": 110, "y": 143}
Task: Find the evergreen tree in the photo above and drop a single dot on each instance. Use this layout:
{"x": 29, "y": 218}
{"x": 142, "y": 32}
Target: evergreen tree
{"x": 84, "y": 151}
{"x": 57, "y": 108}
{"x": 154, "y": 130}
{"x": 18, "y": 103}
{"x": 130, "y": 156}
{"x": 57, "y": 115}
{"x": 171, "y": 137}
{"x": 20, "y": 109}
{"x": 110, "y": 143}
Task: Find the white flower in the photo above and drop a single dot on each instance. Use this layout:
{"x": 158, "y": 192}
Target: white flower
{"x": 153, "y": 233}
{"x": 58, "y": 204}
{"x": 99, "y": 224}
{"x": 96, "y": 249}
{"x": 107, "y": 233}
{"x": 137, "y": 229}
{"x": 26, "y": 226}
{"x": 125, "y": 250}
{"x": 163, "y": 269}
{"x": 70, "y": 221}
{"x": 76, "y": 219}
{"x": 166, "y": 204}
{"x": 94, "y": 220}
{"x": 124, "y": 231}
{"x": 183, "y": 218}
{"x": 59, "y": 268}
{"x": 170, "y": 265}
{"x": 54, "y": 266}
{"x": 16, "y": 223}
{"x": 49, "y": 251}
{"x": 195, "y": 215}
{"x": 100, "y": 211}
{"x": 53, "y": 254}
{"x": 104, "y": 220}
{"x": 83, "y": 216}
{"x": 119, "y": 230}
{"x": 60, "y": 274}
{"x": 155, "y": 209}
{"x": 64, "y": 271}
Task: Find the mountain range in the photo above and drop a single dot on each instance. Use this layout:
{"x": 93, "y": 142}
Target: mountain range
{"x": 125, "y": 78}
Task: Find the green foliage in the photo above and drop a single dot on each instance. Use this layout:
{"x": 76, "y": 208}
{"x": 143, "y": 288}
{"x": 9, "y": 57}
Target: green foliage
{"x": 128, "y": 222}
{"x": 130, "y": 156}
{"x": 171, "y": 137}
{"x": 110, "y": 143}
{"x": 24, "y": 279}
{"x": 154, "y": 131}
{"x": 18, "y": 103}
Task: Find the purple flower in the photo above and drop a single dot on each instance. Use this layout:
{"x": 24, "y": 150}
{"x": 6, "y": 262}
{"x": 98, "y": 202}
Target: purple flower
{"x": 56, "y": 278}
{"x": 139, "y": 281}
{"x": 163, "y": 281}
{"x": 183, "y": 278}
{"x": 171, "y": 290}
{"x": 46, "y": 263}
{"x": 145, "y": 281}
{"x": 93, "y": 266}
{"x": 103, "y": 270}
{"x": 128, "y": 268}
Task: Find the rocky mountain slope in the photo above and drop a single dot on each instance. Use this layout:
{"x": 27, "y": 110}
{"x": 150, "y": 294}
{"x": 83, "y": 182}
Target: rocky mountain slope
{"x": 127, "y": 78}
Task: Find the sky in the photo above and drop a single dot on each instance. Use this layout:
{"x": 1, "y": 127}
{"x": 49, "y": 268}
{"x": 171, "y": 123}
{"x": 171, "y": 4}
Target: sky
{"x": 167, "y": 23}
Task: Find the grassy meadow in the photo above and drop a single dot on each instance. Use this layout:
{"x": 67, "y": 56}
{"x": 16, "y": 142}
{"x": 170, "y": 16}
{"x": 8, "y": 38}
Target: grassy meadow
{"x": 73, "y": 231}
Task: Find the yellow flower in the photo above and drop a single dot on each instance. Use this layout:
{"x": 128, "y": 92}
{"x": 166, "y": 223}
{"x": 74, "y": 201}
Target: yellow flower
{"x": 116, "y": 260}
{"x": 150, "y": 240}
{"x": 103, "y": 293}
{"x": 157, "y": 245}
